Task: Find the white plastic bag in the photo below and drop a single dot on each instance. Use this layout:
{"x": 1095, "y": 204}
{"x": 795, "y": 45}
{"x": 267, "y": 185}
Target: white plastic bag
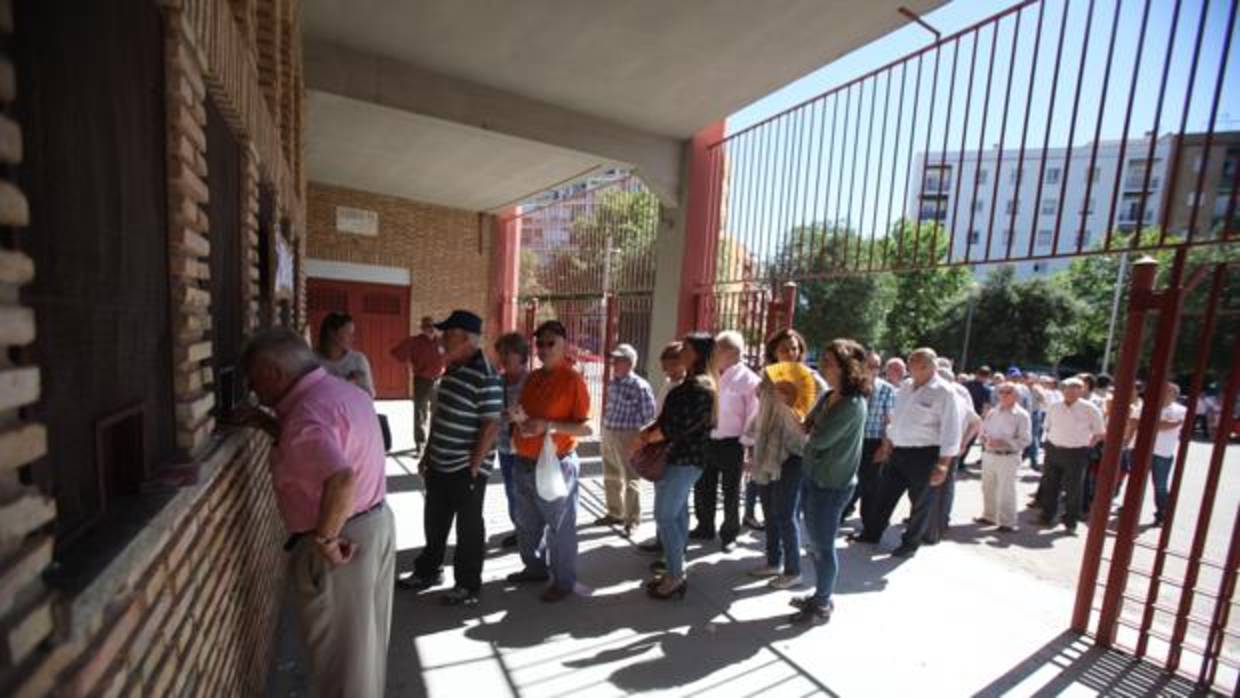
{"x": 547, "y": 475}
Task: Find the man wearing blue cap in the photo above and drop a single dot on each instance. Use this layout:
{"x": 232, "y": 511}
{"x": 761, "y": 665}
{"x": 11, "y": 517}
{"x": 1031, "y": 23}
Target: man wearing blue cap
{"x": 458, "y": 461}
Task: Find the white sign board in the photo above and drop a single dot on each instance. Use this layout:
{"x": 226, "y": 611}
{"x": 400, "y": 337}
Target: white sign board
{"x": 357, "y": 221}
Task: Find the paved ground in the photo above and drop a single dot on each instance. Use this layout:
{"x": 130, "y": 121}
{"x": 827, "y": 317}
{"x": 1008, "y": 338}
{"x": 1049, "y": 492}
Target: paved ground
{"x": 979, "y": 614}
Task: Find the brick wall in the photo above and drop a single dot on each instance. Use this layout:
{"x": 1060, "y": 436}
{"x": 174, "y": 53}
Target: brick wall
{"x": 450, "y": 253}
{"x": 190, "y": 605}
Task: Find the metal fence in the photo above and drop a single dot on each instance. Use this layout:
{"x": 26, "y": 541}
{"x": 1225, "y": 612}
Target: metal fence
{"x": 1054, "y": 128}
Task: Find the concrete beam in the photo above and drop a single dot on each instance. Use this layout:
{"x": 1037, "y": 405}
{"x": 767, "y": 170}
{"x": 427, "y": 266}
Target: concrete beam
{"x": 340, "y": 70}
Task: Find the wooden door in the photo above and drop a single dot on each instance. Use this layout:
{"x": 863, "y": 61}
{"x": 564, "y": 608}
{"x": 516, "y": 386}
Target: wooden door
{"x": 381, "y": 317}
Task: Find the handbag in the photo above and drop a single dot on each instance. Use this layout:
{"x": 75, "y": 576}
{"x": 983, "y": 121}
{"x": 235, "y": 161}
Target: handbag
{"x": 651, "y": 460}
{"x": 548, "y": 478}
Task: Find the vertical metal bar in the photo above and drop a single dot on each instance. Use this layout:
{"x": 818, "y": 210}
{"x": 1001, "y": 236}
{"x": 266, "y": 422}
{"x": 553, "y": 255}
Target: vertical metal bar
{"x": 796, "y": 124}
{"x": 1230, "y": 214}
{"x": 1024, "y": 137}
{"x": 1076, "y": 105}
{"x": 964, "y": 134}
{"x": 740, "y": 261}
{"x": 947, "y": 129}
{"x": 1222, "y": 610}
{"x": 1144, "y": 271}
{"x": 763, "y": 207}
{"x": 1153, "y": 137}
{"x": 895, "y": 158}
{"x": 1123, "y": 139}
{"x": 1207, "y": 504}
{"x": 865, "y": 172}
{"x": 1046, "y": 138}
{"x": 912, "y": 135}
{"x": 849, "y": 233}
{"x": 1168, "y": 304}
{"x": 882, "y": 148}
{"x": 797, "y": 223}
{"x": 819, "y": 222}
{"x": 981, "y": 142}
{"x": 1209, "y": 140}
{"x": 716, "y": 208}
{"x": 839, "y": 194}
{"x": 806, "y": 195}
{"x": 789, "y": 297}
{"x": 1102, "y": 103}
{"x": 611, "y": 325}
{"x": 825, "y": 259}
{"x": 934, "y": 89}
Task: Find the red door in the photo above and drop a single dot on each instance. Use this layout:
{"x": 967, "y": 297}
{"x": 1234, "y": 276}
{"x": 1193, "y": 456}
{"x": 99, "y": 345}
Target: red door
{"x": 380, "y": 315}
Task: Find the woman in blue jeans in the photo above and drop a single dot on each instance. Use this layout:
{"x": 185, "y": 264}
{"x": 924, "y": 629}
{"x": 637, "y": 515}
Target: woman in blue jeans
{"x": 685, "y": 422}
{"x": 831, "y": 458}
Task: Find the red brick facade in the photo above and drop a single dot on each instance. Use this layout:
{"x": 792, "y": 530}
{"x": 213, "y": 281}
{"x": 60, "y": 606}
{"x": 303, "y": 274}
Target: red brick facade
{"x": 189, "y": 605}
{"x": 450, "y": 253}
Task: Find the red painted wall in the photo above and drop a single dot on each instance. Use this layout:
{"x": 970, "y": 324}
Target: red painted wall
{"x": 701, "y": 227}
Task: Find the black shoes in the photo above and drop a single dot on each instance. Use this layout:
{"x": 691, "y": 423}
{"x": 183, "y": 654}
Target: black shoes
{"x": 527, "y": 576}
{"x": 701, "y": 534}
{"x": 904, "y": 551}
{"x": 509, "y": 541}
{"x": 652, "y": 546}
{"x": 416, "y": 583}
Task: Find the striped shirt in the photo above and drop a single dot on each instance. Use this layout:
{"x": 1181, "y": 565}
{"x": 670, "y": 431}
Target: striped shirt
{"x": 469, "y": 394}
{"x": 630, "y": 404}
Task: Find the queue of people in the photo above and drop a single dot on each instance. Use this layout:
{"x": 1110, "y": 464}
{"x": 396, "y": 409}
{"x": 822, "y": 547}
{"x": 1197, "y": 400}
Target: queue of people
{"x": 810, "y": 445}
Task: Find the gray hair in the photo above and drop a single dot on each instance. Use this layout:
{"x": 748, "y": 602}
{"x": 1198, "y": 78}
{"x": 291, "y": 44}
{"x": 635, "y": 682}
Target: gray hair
{"x": 731, "y": 339}
{"x": 281, "y": 345}
{"x": 924, "y": 354}
{"x": 946, "y": 374}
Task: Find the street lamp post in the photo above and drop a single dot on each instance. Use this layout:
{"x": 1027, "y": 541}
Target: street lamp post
{"x": 968, "y": 326}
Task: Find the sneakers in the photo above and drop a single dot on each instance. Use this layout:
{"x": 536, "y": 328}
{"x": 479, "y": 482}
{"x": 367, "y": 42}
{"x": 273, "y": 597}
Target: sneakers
{"x": 461, "y": 597}
{"x": 764, "y": 572}
{"x": 785, "y": 581}
{"x": 526, "y": 576}
{"x": 416, "y": 583}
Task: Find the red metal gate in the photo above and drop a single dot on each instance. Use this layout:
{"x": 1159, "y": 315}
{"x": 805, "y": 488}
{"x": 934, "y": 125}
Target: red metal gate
{"x": 381, "y": 318}
{"x": 1167, "y": 593}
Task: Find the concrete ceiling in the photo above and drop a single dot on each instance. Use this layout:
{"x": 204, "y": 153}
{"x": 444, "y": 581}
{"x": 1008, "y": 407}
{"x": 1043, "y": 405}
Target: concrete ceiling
{"x": 368, "y": 147}
{"x": 668, "y": 67}
{"x": 476, "y": 104}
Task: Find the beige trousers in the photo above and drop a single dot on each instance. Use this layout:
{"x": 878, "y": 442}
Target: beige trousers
{"x": 999, "y": 488}
{"x": 345, "y": 613}
{"x": 621, "y": 485}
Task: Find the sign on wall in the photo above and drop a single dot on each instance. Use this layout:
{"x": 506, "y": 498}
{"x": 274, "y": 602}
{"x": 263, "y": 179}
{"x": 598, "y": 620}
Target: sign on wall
{"x": 357, "y": 221}
{"x": 284, "y": 264}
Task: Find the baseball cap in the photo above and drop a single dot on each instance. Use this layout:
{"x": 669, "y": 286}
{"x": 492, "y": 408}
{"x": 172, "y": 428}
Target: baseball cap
{"x": 461, "y": 320}
{"x": 1013, "y": 372}
{"x": 625, "y": 351}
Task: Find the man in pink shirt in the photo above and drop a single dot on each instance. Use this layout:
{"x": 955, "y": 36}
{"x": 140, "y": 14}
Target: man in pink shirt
{"x": 424, "y": 355}
{"x": 327, "y": 470}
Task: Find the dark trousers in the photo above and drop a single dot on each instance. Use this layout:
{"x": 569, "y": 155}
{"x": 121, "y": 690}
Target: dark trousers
{"x": 451, "y": 496}
{"x": 1064, "y": 472}
{"x": 423, "y": 405}
{"x": 724, "y": 458}
{"x": 908, "y": 470}
{"x": 868, "y": 477}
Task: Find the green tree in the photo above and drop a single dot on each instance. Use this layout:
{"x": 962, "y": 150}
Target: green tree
{"x": 1027, "y": 323}
{"x": 922, "y": 296}
{"x": 621, "y": 224}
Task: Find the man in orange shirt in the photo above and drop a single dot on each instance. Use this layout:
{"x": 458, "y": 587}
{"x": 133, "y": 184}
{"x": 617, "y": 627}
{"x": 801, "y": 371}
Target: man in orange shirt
{"x": 554, "y": 401}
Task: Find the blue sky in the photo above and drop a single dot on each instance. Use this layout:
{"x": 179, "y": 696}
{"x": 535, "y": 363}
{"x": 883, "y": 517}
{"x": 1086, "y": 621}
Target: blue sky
{"x": 785, "y": 173}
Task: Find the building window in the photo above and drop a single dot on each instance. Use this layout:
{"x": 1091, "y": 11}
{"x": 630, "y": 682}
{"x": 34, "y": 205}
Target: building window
{"x": 1015, "y": 175}
{"x": 1044, "y": 238}
{"x": 1013, "y": 206}
{"x": 1052, "y": 175}
{"x": 1039, "y": 268}
{"x": 982, "y": 176}
{"x": 978, "y": 205}
{"x": 1088, "y": 207}
{"x": 224, "y": 215}
{"x": 974, "y": 237}
{"x": 1049, "y": 206}
{"x": 1085, "y": 239}
{"x": 1094, "y": 174}
{"x": 100, "y": 244}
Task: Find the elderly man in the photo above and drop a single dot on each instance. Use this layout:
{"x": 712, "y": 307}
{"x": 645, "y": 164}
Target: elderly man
{"x": 896, "y": 371}
{"x": 738, "y": 405}
{"x": 1073, "y": 426}
{"x": 630, "y": 406}
{"x": 942, "y": 498}
{"x": 458, "y": 461}
{"x": 925, "y": 437}
{"x": 424, "y": 354}
{"x": 1006, "y": 431}
{"x": 327, "y": 470}
{"x": 879, "y": 405}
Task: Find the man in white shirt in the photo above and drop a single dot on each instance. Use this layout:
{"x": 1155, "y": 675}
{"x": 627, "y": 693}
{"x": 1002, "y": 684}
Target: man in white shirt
{"x": 738, "y": 405}
{"x": 1072, "y": 428}
{"x": 1166, "y": 447}
{"x": 925, "y": 438}
{"x": 1006, "y": 432}
{"x": 942, "y": 498}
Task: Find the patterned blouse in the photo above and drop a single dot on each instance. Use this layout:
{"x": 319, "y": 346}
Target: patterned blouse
{"x": 686, "y": 421}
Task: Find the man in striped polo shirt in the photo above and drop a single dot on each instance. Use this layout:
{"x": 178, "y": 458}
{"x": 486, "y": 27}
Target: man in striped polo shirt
{"x": 458, "y": 461}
